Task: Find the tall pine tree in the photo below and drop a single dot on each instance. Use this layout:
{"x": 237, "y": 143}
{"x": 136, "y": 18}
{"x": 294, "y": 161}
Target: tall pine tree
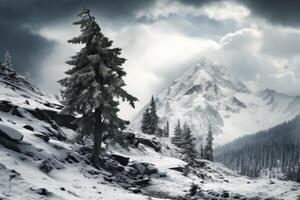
{"x": 94, "y": 84}
{"x": 146, "y": 121}
{"x": 177, "y": 139}
{"x": 188, "y": 144}
{"x": 208, "y": 150}
{"x": 150, "y": 119}
{"x": 167, "y": 129}
{"x": 154, "y": 118}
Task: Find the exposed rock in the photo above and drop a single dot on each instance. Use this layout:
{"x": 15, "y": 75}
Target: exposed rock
{"x": 28, "y": 127}
{"x": 134, "y": 190}
{"x": 144, "y": 168}
{"x": 10, "y": 133}
{"x": 10, "y": 144}
{"x": 179, "y": 169}
{"x": 44, "y": 137}
{"x": 71, "y": 158}
{"x": 111, "y": 165}
{"x": 151, "y": 169}
{"x": 60, "y": 119}
{"x": 16, "y": 111}
{"x": 5, "y": 106}
{"x": 139, "y": 167}
{"x": 48, "y": 165}
{"x": 185, "y": 169}
{"x": 121, "y": 159}
{"x": 41, "y": 191}
{"x": 13, "y": 174}
{"x": 143, "y": 182}
{"x": 10, "y": 137}
{"x": 225, "y": 194}
{"x": 150, "y": 143}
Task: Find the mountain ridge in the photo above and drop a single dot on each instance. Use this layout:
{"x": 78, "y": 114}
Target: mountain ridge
{"x": 209, "y": 95}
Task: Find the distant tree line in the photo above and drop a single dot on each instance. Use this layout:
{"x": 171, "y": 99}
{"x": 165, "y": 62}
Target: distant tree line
{"x": 272, "y": 152}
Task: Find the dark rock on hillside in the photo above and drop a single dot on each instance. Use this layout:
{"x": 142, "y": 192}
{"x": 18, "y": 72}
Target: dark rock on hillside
{"x": 17, "y": 112}
{"x": 150, "y": 143}
{"x": 144, "y": 168}
{"x": 44, "y": 115}
{"x": 44, "y": 137}
{"x": 120, "y": 159}
{"x": 61, "y": 119}
{"x": 71, "y": 158}
{"x": 30, "y": 128}
{"x": 48, "y": 165}
{"x": 11, "y": 135}
{"x": 142, "y": 182}
{"x": 10, "y": 144}
{"x": 10, "y": 138}
{"x": 41, "y": 191}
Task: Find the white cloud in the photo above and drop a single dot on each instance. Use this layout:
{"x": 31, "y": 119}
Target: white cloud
{"x": 226, "y": 10}
{"x": 221, "y": 10}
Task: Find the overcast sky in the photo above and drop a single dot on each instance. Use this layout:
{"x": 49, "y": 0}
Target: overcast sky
{"x": 257, "y": 40}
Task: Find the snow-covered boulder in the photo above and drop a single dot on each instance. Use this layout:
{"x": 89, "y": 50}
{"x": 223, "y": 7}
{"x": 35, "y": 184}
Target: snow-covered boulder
{"x": 10, "y": 133}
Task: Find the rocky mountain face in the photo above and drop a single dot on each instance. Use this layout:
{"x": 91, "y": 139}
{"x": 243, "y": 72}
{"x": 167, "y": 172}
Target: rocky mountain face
{"x": 208, "y": 95}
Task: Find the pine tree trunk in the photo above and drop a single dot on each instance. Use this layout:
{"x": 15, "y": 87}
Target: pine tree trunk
{"x": 98, "y": 133}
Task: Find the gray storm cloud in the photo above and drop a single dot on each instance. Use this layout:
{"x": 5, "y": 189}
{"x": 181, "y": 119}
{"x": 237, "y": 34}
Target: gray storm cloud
{"x": 259, "y": 43}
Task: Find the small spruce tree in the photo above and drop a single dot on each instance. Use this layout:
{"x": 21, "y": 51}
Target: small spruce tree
{"x": 167, "y": 129}
{"x": 154, "y": 118}
{"x": 7, "y": 60}
{"x": 150, "y": 120}
{"x": 188, "y": 144}
{"x": 208, "y": 150}
{"x": 146, "y": 121}
{"x": 95, "y": 83}
{"x": 201, "y": 151}
{"x": 177, "y": 139}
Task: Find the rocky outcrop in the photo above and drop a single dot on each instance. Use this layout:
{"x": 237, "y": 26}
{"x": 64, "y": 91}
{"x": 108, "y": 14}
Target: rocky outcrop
{"x": 10, "y": 137}
{"x": 41, "y": 114}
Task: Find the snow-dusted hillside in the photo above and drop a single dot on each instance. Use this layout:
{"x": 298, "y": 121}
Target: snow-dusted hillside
{"x": 15, "y": 88}
{"x": 208, "y": 94}
{"x": 40, "y": 160}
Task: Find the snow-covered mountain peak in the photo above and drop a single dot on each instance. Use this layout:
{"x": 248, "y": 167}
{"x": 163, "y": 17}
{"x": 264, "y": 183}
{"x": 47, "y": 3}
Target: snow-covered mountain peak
{"x": 207, "y": 78}
{"x": 208, "y": 94}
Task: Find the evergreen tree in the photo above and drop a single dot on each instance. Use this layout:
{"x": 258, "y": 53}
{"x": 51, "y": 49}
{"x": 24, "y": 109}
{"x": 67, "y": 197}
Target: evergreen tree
{"x": 7, "y": 60}
{"x": 146, "y": 121}
{"x": 273, "y": 152}
{"x": 150, "y": 120}
{"x": 94, "y": 84}
{"x": 201, "y": 151}
{"x": 177, "y": 139}
{"x": 154, "y": 118}
{"x": 208, "y": 151}
{"x": 167, "y": 129}
{"x": 188, "y": 144}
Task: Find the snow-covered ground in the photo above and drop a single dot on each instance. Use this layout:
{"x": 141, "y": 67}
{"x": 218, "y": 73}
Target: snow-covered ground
{"x": 72, "y": 181}
{"x": 48, "y": 167}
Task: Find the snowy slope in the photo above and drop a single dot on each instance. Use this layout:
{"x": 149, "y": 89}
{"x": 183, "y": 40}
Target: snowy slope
{"x": 44, "y": 166}
{"x": 15, "y": 88}
{"x": 208, "y": 94}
